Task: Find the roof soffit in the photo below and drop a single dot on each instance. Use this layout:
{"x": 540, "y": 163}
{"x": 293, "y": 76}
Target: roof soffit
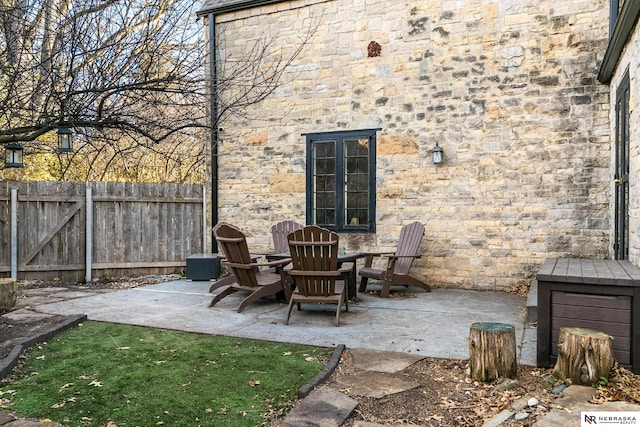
{"x": 625, "y": 24}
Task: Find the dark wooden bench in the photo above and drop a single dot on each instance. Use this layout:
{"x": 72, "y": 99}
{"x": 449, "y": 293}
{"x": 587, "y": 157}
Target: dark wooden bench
{"x": 603, "y": 295}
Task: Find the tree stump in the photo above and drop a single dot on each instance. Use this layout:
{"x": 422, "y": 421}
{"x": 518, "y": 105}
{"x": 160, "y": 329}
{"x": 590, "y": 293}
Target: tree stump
{"x": 8, "y": 296}
{"x": 584, "y": 355}
{"x": 492, "y": 351}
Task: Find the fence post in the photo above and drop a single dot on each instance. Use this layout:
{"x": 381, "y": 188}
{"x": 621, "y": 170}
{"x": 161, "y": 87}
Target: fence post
{"x": 204, "y": 220}
{"x": 14, "y": 233}
{"x": 88, "y": 235}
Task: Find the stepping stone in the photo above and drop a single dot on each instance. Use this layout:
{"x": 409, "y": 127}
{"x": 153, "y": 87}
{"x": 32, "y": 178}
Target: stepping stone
{"x": 22, "y": 315}
{"x": 382, "y": 361}
{"x": 43, "y": 291}
{"x": 6, "y": 418}
{"x": 374, "y": 384}
{"x": 574, "y": 394}
{"x": 322, "y": 407}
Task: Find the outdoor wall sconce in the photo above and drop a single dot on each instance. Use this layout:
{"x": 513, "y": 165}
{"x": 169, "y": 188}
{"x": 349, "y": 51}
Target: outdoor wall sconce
{"x": 13, "y": 155}
{"x": 437, "y": 154}
{"x": 65, "y": 141}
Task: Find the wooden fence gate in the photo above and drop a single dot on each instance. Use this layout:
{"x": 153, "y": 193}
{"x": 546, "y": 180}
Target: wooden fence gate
{"x": 79, "y": 231}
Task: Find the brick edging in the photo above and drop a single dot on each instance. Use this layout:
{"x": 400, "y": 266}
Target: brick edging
{"x": 9, "y": 362}
{"x": 324, "y": 374}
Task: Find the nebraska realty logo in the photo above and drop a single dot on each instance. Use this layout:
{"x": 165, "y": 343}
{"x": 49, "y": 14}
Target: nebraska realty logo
{"x": 623, "y": 418}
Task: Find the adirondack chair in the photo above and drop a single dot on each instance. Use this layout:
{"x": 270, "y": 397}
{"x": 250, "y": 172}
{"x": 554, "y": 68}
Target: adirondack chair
{"x": 246, "y": 273}
{"x": 314, "y": 266}
{"x": 280, "y": 231}
{"x": 230, "y": 278}
{"x": 398, "y": 262}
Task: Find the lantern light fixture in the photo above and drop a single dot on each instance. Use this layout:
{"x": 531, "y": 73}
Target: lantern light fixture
{"x": 436, "y": 154}
{"x": 13, "y": 155}
{"x": 65, "y": 141}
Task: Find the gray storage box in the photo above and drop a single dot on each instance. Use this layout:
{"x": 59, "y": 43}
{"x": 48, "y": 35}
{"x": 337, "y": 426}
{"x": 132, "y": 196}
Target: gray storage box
{"x": 203, "y": 267}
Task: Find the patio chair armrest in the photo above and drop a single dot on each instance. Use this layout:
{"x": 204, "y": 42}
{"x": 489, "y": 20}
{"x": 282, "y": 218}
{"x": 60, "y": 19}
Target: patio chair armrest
{"x": 241, "y": 266}
{"x": 275, "y": 263}
{"x": 368, "y": 262}
{"x": 404, "y": 256}
{"x": 223, "y": 259}
{"x": 258, "y": 264}
{"x": 378, "y": 253}
{"x": 346, "y": 267}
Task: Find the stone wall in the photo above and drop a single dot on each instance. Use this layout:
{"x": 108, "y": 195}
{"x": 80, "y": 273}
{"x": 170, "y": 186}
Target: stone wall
{"x": 630, "y": 60}
{"x": 507, "y": 88}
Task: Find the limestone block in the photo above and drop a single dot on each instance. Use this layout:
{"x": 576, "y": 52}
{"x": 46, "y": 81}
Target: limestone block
{"x": 397, "y": 144}
{"x": 256, "y": 139}
{"x": 287, "y": 183}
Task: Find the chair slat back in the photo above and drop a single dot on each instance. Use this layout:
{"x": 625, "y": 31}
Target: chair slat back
{"x": 314, "y": 259}
{"x": 280, "y": 231}
{"x": 408, "y": 244}
{"x": 233, "y": 244}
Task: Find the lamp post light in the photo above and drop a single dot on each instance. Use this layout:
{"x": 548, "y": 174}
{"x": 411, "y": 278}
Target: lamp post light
{"x": 65, "y": 141}
{"x": 13, "y": 155}
{"x": 436, "y": 154}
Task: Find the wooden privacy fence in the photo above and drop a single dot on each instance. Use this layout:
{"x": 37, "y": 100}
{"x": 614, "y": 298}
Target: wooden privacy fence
{"x": 77, "y": 231}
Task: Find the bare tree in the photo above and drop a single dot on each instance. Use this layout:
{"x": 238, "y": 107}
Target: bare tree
{"x": 100, "y": 64}
{"x": 128, "y": 77}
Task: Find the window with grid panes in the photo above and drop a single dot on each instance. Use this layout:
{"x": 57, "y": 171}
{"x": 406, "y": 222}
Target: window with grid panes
{"x": 341, "y": 180}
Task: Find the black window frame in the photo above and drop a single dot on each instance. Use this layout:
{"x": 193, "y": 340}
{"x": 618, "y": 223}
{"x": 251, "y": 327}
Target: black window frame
{"x": 338, "y": 137}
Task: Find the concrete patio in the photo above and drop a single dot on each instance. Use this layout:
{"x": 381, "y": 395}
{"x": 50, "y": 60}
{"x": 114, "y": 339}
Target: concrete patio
{"x": 434, "y": 324}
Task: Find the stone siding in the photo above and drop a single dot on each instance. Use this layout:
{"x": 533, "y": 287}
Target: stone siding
{"x": 507, "y": 88}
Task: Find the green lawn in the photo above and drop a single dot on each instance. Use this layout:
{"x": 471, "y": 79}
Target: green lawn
{"x": 98, "y": 373}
